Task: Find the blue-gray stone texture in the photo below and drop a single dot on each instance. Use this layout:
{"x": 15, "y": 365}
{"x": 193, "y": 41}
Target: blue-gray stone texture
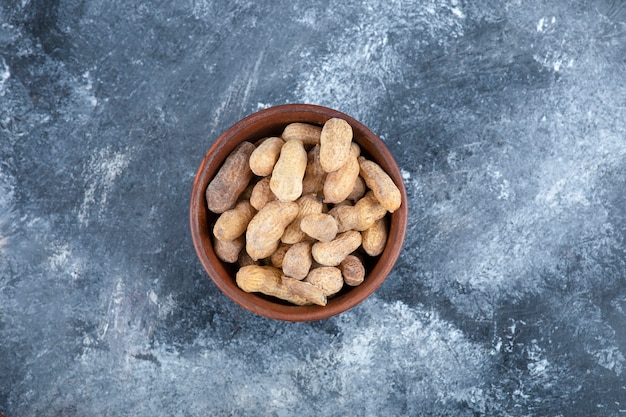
{"x": 506, "y": 117}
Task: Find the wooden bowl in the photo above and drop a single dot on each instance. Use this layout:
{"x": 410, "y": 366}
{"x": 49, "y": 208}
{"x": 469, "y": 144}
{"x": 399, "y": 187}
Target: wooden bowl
{"x": 271, "y": 122}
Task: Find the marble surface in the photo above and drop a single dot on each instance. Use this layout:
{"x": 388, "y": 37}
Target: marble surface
{"x": 507, "y": 118}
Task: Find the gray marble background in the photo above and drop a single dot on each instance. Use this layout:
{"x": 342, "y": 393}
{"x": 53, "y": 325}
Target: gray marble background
{"x": 507, "y": 118}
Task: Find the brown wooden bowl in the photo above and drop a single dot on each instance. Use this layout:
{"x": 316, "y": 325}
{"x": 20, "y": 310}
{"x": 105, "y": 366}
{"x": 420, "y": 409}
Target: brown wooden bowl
{"x": 271, "y": 122}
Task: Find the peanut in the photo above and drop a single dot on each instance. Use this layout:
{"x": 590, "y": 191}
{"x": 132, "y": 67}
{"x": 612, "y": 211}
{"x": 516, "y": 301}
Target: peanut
{"x": 305, "y": 290}
{"x": 231, "y": 179}
{"x": 358, "y": 191}
{"x": 297, "y": 260}
{"x": 307, "y": 133}
{"x": 264, "y": 157}
{"x": 345, "y": 216}
{"x": 319, "y": 226}
{"x": 314, "y": 175}
{"x": 228, "y": 250}
{"x": 352, "y": 270}
{"x": 266, "y": 280}
{"x": 340, "y": 183}
{"x": 369, "y": 210}
{"x": 359, "y": 217}
{"x": 233, "y": 223}
{"x": 307, "y": 204}
{"x": 267, "y": 226}
{"x": 335, "y": 144}
{"x": 374, "y": 238}
{"x": 286, "y": 181}
{"x": 261, "y": 194}
{"x": 333, "y": 252}
{"x": 278, "y": 256}
{"x": 326, "y": 278}
{"x": 381, "y": 184}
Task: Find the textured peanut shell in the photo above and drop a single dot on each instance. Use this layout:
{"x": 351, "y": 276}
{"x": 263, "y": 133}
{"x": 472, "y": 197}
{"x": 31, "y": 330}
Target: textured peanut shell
{"x": 233, "y": 223}
{"x": 231, "y": 179}
{"x": 307, "y": 204}
{"x": 266, "y": 280}
{"x": 345, "y": 216}
{"x": 335, "y": 143}
{"x": 286, "y": 180}
{"x": 369, "y": 209}
{"x": 228, "y": 250}
{"x": 267, "y": 226}
{"x": 277, "y": 257}
{"x": 358, "y": 191}
{"x": 381, "y": 184}
{"x": 352, "y": 270}
{"x": 319, "y": 226}
{"x": 340, "y": 183}
{"x": 264, "y": 157}
{"x": 305, "y": 290}
{"x": 314, "y": 175}
{"x": 326, "y": 278}
{"x": 333, "y": 252}
{"x": 307, "y": 133}
{"x": 297, "y": 261}
{"x": 359, "y": 217}
{"x": 261, "y": 194}
{"x": 374, "y": 238}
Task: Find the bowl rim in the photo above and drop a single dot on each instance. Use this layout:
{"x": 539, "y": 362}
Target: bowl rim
{"x": 258, "y": 304}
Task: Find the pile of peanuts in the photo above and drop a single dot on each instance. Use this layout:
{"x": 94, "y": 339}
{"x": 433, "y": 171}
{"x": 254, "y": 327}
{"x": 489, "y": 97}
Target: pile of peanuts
{"x": 298, "y": 213}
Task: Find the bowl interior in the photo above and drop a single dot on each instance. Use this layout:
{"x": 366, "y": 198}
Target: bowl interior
{"x": 271, "y": 122}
